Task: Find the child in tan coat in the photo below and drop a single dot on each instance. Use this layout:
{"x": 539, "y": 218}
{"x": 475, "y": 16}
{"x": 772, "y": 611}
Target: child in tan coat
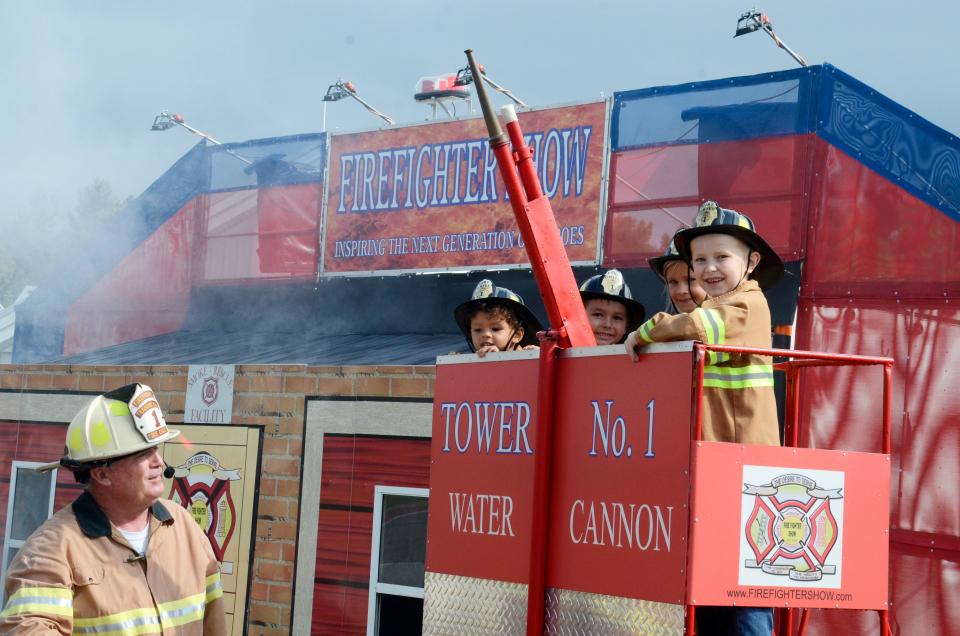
{"x": 733, "y": 264}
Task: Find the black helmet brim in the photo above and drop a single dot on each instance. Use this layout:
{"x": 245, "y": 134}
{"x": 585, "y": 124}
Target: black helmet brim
{"x": 659, "y": 263}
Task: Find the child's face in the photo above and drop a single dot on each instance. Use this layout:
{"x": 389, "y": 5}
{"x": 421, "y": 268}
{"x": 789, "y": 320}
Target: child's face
{"x": 491, "y": 329}
{"x": 685, "y": 293}
{"x": 608, "y": 318}
{"x": 721, "y": 262}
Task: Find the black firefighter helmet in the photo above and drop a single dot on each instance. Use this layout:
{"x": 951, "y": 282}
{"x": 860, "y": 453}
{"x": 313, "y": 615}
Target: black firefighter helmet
{"x": 659, "y": 263}
{"x": 712, "y": 219}
{"x": 486, "y": 295}
{"x": 611, "y": 286}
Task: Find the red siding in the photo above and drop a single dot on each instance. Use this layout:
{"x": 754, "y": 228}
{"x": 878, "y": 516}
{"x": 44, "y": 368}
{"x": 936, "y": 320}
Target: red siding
{"x": 265, "y": 233}
{"x": 878, "y": 280}
{"x": 352, "y": 466}
{"x": 146, "y": 294}
{"x": 870, "y": 237}
{"x": 33, "y": 442}
{"x": 656, "y": 191}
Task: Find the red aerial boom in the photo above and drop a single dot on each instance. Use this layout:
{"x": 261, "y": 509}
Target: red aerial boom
{"x": 538, "y": 225}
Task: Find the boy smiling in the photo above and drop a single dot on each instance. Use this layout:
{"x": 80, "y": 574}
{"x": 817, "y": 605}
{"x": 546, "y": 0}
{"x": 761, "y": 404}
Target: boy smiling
{"x": 733, "y": 264}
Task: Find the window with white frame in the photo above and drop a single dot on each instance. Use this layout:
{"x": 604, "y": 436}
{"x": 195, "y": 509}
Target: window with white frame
{"x": 397, "y": 558}
{"x": 29, "y": 504}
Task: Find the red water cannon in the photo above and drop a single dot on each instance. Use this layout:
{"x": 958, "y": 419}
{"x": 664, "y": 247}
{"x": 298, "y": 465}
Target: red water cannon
{"x": 537, "y": 223}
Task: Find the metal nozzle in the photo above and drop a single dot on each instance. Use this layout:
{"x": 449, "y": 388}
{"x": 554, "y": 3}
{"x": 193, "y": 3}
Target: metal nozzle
{"x": 489, "y": 116}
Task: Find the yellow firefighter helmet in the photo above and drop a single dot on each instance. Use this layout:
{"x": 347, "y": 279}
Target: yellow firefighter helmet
{"x": 122, "y": 422}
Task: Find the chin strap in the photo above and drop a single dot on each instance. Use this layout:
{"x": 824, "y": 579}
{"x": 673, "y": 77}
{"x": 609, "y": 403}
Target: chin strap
{"x": 515, "y": 345}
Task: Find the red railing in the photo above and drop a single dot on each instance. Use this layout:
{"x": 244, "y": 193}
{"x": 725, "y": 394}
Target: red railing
{"x": 798, "y": 360}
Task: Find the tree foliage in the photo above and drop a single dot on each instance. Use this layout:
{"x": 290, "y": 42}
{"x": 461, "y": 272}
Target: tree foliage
{"x": 34, "y": 238}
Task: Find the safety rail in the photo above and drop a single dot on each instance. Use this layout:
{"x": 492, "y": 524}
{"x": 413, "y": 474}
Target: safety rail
{"x": 798, "y": 360}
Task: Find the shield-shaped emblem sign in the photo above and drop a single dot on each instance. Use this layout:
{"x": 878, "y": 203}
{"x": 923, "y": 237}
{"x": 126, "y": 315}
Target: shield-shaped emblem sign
{"x": 792, "y": 526}
{"x": 211, "y": 390}
{"x": 202, "y": 486}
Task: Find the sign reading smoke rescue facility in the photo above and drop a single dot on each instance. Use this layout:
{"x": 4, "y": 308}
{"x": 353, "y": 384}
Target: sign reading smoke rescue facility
{"x": 209, "y": 394}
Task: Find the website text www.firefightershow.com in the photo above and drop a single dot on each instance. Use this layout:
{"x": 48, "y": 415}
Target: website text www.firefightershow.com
{"x": 787, "y": 594}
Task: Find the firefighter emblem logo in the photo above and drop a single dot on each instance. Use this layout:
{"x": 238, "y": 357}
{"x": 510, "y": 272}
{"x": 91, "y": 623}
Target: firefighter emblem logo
{"x": 202, "y": 486}
{"x": 792, "y": 527}
{"x": 612, "y": 282}
{"x": 211, "y": 391}
{"x": 707, "y": 214}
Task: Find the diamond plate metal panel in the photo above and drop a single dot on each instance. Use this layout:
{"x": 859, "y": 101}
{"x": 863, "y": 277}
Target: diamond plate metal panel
{"x": 569, "y": 612}
{"x": 459, "y": 605}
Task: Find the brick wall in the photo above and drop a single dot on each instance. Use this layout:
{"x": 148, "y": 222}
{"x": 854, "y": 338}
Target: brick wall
{"x": 274, "y": 397}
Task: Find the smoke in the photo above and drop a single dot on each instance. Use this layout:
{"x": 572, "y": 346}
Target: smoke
{"x": 83, "y": 81}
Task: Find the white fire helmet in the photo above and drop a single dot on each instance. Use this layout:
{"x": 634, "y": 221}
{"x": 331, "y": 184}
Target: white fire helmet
{"x": 122, "y": 422}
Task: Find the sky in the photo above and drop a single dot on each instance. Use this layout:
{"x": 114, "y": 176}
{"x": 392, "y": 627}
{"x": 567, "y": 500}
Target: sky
{"x": 80, "y": 81}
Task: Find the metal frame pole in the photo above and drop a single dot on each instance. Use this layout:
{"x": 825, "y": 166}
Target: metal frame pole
{"x": 791, "y": 432}
{"x": 542, "y": 467}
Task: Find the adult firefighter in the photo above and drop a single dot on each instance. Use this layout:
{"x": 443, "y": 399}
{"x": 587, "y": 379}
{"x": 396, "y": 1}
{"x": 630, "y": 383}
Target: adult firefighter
{"x": 118, "y": 560}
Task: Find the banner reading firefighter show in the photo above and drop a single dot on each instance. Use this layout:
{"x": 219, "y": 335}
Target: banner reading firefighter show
{"x": 431, "y": 197}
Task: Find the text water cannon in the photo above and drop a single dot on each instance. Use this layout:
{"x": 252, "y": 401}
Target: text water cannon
{"x": 537, "y": 223}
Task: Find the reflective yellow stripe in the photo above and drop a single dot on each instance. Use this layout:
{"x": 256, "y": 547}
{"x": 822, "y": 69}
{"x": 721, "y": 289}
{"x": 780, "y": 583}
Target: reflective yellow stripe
{"x": 149, "y": 620}
{"x": 715, "y": 332}
{"x": 644, "y": 331}
{"x": 57, "y": 601}
{"x": 138, "y": 621}
{"x": 183, "y": 611}
{"x": 214, "y": 587}
{"x": 754, "y": 375}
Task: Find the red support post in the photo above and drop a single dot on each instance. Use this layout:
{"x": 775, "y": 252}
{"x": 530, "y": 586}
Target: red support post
{"x": 699, "y": 361}
{"x": 804, "y": 617}
{"x": 788, "y": 422}
{"x": 542, "y": 464}
{"x": 794, "y": 413}
{"x": 887, "y": 397}
{"x": 698, "y": 370}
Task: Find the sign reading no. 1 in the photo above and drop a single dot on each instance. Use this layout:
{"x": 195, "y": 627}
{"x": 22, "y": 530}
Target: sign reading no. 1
{"x": 620, "y": 478}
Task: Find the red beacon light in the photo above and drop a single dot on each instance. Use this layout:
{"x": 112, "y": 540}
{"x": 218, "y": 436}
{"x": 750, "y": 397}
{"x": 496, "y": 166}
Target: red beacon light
{"x": 440, "y": 86}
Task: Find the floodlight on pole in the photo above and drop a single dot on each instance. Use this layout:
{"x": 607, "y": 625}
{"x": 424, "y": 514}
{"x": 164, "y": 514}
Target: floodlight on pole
{"x": 167, "y": 120}
{"x": 339, "y": 90}
{"x": 753, "y": 20}
{"x": 465, "y": 76}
